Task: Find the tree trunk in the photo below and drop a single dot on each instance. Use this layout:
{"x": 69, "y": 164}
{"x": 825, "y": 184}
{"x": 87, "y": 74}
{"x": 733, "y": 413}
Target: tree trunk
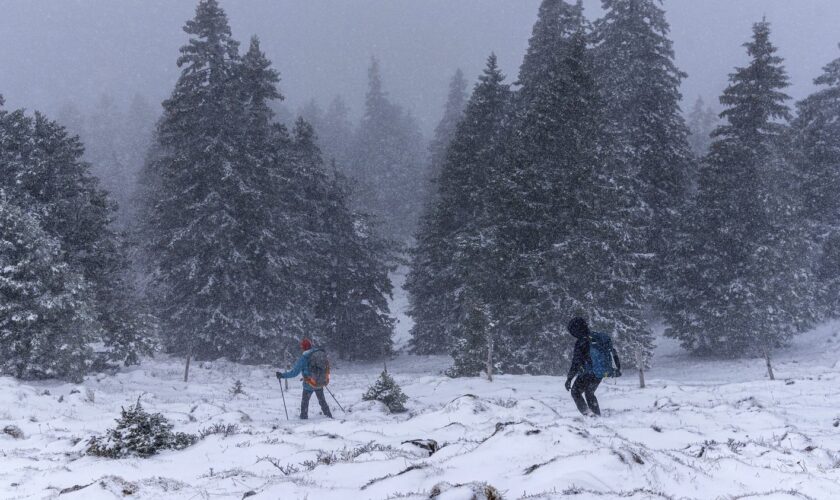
{"x": 187, "y": 369}
{"x": 641, "y": 364}
{"x": 769, "y": 365}
{"x": 489, "y": 366}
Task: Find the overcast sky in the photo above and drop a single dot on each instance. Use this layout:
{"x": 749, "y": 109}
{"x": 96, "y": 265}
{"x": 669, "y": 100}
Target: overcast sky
{"x": 58, "y": 51}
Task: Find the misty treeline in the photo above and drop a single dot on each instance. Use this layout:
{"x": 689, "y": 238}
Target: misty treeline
{"x": 226, "y": 227}
{"x": 236, "y": 238}
{"x": 579, "y": 189}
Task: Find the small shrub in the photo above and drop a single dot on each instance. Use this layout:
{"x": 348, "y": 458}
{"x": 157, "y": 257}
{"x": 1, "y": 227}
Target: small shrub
{"x": 139, "y": 433}
{"x": 225, "y": 430}
{"x": 237, "y": 389}
{"x": 14, "y": 431}
{"x": 386, "y": 390}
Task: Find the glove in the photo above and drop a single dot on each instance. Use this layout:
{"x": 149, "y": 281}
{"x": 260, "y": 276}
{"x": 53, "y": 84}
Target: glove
{"x": 568, "y": 384}
{"x": 279, "y": 376}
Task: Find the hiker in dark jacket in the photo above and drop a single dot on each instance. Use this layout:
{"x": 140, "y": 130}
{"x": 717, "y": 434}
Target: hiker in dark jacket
{"x": 302, "y": 368}
{"x": 585, "y": 382}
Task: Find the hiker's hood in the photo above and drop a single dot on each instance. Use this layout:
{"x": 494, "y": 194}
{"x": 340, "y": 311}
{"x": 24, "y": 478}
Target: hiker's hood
{"x": 578, "y": 328}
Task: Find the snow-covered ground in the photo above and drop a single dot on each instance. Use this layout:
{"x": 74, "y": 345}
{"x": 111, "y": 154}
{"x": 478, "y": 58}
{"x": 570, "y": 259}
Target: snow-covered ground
{"x": 700, "y": 430}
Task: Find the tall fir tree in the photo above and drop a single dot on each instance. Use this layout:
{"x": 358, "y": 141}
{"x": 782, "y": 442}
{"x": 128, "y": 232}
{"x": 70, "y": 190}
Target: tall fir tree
{"x": 453, "y": 111}
{"x": 572, "y": 209}
{"x": 345, "y": 262}
{"x": 336, "y": 133}
{"x": 388, "y": 162}
{"x": 640, "y": 84}
{"x": 353, "y": 305}
{"x": 816, "y": 138}
{"x": 453, "y": 223}
{"x": 747, "y": 288}
{"x": 105, "y": 150}
{"x": 702, "y": 121}
{"x": 47, "y": 324}
{"x": 211, "y": 234}
{"x": 41, "y": 168}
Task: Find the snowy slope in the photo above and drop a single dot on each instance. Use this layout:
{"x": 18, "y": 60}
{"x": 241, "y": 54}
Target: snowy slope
{"x": 701, "y": 430}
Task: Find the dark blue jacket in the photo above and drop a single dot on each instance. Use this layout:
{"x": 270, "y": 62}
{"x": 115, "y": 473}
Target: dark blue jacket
{"x": 580, "y": 357}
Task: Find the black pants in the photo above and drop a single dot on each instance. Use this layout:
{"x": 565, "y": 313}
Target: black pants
{"x": 585, "y": 386}
{"x": 304, "y": 403}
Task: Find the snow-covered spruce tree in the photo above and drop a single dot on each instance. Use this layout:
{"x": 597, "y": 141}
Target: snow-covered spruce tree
{"x": 288, "y": 203}
{"x": 702, "y": 121}
{"x": 460, "y": 210}
{"x": 388, "y": 162}
{"x": 434, "y": 342}
{"x": 139, "y": 433}
{"x": 336, "y": 134}
{"x": 346, "y": 263}
{"x": 816, "y": 136}
{"x": 640, "y": 85}
{"x": 573, "y": 209}
{"x": 474, "y": 348}
{"x": 452, "y": 112}
{"x": 429, "y": 285}
{"x": 387, "y": 391}
{"x": 746, "y": 289}
{"x": 105, "y": 150}
{"x": 46, "y": 322}
{"x": 212, "y": 236}
{"x": 42, "y": 169}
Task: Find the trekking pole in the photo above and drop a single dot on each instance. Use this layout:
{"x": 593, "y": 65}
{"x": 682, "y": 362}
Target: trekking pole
{"x": 283, "y": 395}
{"x": 333, "y": 396}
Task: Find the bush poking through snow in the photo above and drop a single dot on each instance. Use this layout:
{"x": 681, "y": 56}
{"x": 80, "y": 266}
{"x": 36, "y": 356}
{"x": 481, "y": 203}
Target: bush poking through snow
{"x": 237, "y": 389}
{"x": 386, "y": 390}
{"x": 225, "y": 430}
{"x": 14, "y": 431}
{"x": 139, "y": 433}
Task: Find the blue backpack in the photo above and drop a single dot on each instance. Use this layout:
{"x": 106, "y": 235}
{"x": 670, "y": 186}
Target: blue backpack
{"x": 601, "y": 362}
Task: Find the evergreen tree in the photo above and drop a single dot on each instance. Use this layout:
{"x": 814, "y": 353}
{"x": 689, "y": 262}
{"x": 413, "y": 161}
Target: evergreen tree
{"x": 640, "y": 85}
{"x": 139, "y": 433}
{"x": 42, "y": 169}
{"x": 445, "y": 130}
{"x": 71, "y": 119}
{"x": 336, "y": 134}
{"x": 354, "y": 303}
{"x": 816, "y": 135}
{"x": 702, "y": 121}
{"x": 313, "y": 114}
{"x": 388, "y": 162}
{"x": 387, "y": 391}
{"x": 211, "y": 234}
{"x": 105, "y": 150}
{"x": 46, "y": 322}
{"x": 346, "y": 263}
{"x": 572, "y": 209}
{"x": 747, "y": 288}
{"x": 449, "y": 244}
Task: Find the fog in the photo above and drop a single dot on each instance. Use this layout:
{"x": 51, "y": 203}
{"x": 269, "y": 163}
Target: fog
{"x": 58, "y": 51}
